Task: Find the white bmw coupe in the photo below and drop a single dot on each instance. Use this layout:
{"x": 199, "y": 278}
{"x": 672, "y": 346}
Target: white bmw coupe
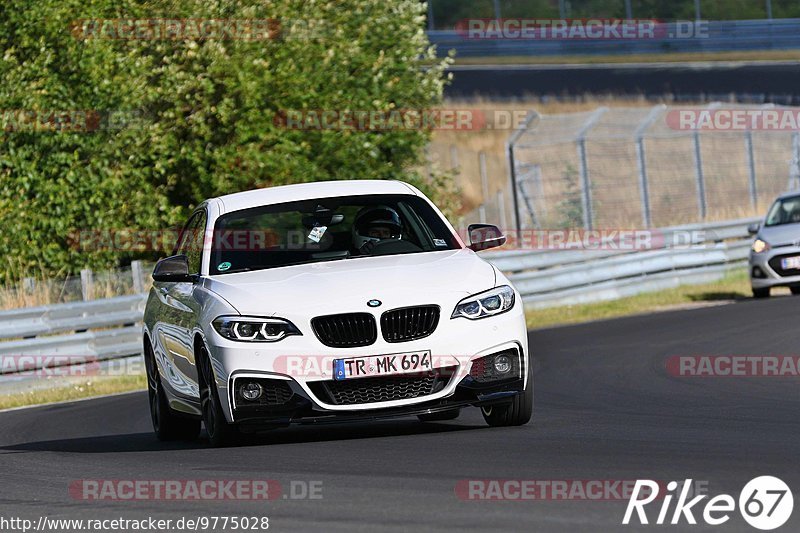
{"x": 330, "y": 301}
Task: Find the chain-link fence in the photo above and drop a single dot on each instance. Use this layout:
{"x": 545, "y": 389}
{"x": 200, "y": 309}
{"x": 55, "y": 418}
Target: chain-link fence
{"x": 651, "y": 167}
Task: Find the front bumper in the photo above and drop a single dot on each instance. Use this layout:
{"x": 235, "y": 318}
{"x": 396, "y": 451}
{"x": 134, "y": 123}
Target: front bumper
{"x": 302, "y": 409}
{"x": 454, "y": 346}
{"x": 765, "y": 270}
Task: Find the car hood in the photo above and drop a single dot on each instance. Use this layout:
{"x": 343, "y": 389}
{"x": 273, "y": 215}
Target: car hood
{"x": 780, "y": 235}
{"x": 346, "y": 285}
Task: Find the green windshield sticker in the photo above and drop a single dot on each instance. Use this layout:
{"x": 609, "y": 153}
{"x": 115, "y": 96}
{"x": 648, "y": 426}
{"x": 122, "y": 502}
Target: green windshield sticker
{"x": 222, "y": 267}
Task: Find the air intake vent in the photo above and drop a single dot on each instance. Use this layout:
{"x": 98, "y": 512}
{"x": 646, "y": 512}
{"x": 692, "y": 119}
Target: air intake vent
{"x": 345, "y": 331}
{"x": 409, "y": 323}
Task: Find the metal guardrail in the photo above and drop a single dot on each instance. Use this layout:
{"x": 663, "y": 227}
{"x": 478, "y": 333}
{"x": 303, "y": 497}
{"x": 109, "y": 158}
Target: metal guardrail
{"x": 552, "y": 278}
{"x": 710, "y": 36}
{"x": 110, "y": 328}
{"x": 93, "y": 330}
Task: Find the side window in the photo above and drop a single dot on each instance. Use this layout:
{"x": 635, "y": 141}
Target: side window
{"x": 192, "y": 240}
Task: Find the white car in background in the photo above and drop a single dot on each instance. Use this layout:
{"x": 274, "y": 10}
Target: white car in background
{"x": 345, "y": 300}
{"x": 775, "y": 253}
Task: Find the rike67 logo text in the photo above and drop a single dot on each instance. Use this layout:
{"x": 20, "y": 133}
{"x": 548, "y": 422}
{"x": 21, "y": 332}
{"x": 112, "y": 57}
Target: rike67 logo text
{"x": 765, "y": 503}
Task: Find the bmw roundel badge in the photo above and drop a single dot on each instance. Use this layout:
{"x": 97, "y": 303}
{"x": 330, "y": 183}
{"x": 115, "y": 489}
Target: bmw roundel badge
{"x": 374, "y": 303}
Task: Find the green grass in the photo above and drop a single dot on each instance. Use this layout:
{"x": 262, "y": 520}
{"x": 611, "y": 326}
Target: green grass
{"x": 75, "y": 391}
{"x": 734, "y": 286}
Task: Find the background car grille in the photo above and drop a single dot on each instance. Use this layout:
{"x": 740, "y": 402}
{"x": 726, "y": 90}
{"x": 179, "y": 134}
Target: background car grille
{"x": 345, "y": 331}
{"x": 382, "y": 389}
{"x": 775, "y": 264}
{"x": 409, "y": 323}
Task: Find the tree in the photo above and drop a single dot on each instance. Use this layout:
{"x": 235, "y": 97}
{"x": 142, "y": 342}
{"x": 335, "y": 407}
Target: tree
{"x": 205, "y": 112}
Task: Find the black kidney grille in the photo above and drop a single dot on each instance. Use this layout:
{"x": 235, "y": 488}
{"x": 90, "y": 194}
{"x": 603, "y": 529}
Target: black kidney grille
{"x": 346, "y": 330}
{"x": 382, "y": 389}
{"x": 409, "y": 323}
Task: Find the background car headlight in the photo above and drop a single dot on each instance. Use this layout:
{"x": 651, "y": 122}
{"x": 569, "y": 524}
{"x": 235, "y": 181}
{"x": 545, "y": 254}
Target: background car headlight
{"x": 760, "y": 246}
{"x": 485, "y": 304}
{"x": 252, "y": 329}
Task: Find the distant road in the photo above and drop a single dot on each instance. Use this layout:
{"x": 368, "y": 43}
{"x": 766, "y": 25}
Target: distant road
{"x": 775, "y": 82}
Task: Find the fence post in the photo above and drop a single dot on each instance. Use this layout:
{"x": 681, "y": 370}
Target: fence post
{"x": 138, "y": 277}
{"x": 586, "y": 185}
{"x": 501, "y": 209}
{"x": 87, "y": 284}
{"x": 701, "y": 184}
{"x": 29, "y": 285}
{"x": 482, "y": 213}
{"x": 512, "y": 165}
{"x": 484, "y": 177}
{"x": 453, "y": 157}
{"x": 641, "y": 160}
{"x": 794, "y": 170}
{"x": 751, "y": 167}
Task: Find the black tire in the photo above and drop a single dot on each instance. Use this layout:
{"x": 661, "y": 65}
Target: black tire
{"x": 450, "y": 414}
{"x": 220, "y": 432}
{"x": 516, "y": 413}
{"x": 795, "y": 290}
{"x": 763, "y": 293}
{"x": 166, "y": 424}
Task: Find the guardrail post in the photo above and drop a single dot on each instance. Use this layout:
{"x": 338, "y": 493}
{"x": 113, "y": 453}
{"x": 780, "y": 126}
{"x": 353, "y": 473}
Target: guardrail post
{"x": 138, "y": 277}
{"x": 87, "y": 284}
{"x": 751, "y": 167}
{"x": 482, "y": 213}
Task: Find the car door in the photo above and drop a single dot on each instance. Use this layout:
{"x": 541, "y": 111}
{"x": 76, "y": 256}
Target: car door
{"x": 181, "y": 312}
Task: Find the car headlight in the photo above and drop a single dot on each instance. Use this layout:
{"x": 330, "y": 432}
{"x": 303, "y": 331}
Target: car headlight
{"x": 485, "y": 304}
{"x": 760, "y": 246}
{"x": 253, "y": 329}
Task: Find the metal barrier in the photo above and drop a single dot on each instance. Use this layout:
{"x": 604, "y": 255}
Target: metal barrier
{"x": 93, "y": 330}
{"x": 680, "y": 37}
{"x": 111, "y": 328}
{"x": 553, "y": 278}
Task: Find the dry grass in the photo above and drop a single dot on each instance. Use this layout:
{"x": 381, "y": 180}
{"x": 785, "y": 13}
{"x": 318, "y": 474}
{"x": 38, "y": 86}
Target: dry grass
{"x": 75, "y": 391}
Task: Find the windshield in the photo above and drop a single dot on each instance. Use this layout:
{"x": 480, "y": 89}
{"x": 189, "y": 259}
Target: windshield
{"x": 784, "y": 211}
{"x": 326, "y": 229}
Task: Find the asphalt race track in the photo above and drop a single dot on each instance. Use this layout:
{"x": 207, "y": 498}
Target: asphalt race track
{"x": 605, "y": 410}
{"x": 774, "y": 82}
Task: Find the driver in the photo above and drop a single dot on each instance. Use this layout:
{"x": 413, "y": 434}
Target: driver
{"x": 373, "y": 225}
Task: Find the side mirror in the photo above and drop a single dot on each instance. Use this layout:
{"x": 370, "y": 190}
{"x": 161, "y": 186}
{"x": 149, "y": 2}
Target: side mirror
{"x": 173, "y": 269}
{"x": 485, "y": 236}
{"x": 753, "y": 228}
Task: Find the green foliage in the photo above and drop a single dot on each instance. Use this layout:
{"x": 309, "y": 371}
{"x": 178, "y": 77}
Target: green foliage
{"x": 570, "y": 209}
{"x": 206, "y": 113}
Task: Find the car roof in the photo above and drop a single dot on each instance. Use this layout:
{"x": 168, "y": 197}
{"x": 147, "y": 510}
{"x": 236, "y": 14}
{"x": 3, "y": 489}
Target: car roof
{"x": 303, "y": 191}
{"x": 789, "y": 194}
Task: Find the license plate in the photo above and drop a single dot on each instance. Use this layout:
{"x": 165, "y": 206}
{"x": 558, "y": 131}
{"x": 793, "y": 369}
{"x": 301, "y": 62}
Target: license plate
{"x": 790, "y": 263}
{"x": 382, "y": 365}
